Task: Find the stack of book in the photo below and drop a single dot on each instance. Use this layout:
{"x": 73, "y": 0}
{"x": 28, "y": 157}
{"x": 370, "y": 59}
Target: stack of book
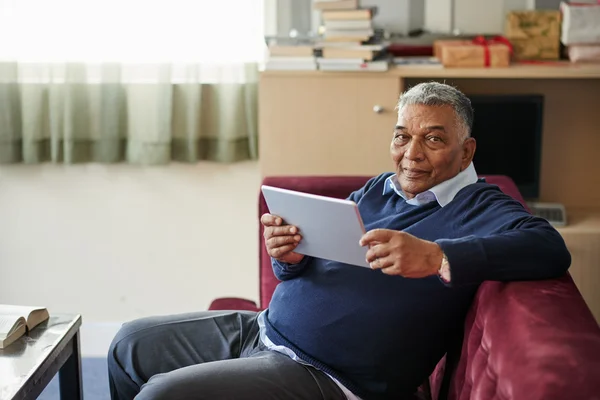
{"x": 291, "y": 57}
{"x": 348, "y": 38}
{"x": 344, "y": 21}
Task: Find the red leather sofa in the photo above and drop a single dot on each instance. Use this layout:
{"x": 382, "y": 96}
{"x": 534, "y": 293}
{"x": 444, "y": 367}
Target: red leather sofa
{"x": 522, "y": 340}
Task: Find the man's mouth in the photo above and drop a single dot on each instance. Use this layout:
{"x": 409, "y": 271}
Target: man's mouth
{"x": 413, "y": 172}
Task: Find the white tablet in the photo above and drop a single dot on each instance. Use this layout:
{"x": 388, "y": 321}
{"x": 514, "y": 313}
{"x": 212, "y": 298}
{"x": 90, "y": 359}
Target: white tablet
{"x": 330, "y": 228}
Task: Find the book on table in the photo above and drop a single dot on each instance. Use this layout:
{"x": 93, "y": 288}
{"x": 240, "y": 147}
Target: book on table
{"x": 16, "y": 321}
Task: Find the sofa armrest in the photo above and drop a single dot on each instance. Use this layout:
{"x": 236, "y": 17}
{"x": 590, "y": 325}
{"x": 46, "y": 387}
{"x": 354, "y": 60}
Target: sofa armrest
{"x": 233, "y": 303}
{"x": 528, "y": 340}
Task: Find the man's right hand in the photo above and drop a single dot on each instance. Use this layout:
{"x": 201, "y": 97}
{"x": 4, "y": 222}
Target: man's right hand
{"x": 281, "y": 240}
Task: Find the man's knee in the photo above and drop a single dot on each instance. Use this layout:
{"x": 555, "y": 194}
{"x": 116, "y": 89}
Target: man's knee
{"x": 166, "y": 386}
{"x": 125, "y": 340}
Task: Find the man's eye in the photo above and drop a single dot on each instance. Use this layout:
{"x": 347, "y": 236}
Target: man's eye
{"x": 434, "y": 139}
{"x": 400, "y": 138}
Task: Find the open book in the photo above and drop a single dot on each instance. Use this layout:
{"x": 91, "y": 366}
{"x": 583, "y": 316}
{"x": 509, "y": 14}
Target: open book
{"x": 15, "y": 321}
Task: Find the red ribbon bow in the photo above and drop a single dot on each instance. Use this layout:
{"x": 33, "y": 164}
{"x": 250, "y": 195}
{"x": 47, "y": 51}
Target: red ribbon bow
{"x": 480, "y": 40}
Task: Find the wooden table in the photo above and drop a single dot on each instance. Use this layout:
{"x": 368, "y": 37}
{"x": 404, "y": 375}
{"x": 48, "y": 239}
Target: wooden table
{"x": 30, "y": 363}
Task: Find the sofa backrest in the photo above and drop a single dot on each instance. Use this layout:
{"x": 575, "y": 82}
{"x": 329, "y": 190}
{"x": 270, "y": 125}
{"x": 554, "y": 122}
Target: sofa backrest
{"x": 521, "y": 341}
{"x": 332, "y": 186}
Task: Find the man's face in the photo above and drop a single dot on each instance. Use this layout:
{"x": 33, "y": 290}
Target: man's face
{"x": 426, "y": 147}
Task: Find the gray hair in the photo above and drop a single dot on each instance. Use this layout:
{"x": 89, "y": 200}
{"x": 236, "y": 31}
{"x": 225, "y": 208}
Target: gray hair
{"x": 440, "y": 94}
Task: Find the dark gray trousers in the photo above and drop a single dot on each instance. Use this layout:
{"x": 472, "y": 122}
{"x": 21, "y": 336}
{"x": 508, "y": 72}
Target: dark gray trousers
{"x": 207, "y": 355}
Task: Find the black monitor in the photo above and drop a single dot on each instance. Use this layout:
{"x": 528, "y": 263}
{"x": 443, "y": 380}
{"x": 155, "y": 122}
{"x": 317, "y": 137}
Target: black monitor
{"x": 508, "y": 130}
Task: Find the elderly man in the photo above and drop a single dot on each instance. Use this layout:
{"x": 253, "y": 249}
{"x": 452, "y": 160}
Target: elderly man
{"x": 333, "y": 331}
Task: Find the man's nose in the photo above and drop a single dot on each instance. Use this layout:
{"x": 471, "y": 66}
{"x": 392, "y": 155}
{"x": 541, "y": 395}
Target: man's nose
{"x": 414, "y": 150}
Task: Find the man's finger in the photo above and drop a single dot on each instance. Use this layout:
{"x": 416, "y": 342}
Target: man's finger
{"x": 376, "y": 235}
{"x": 380, "y": 263}
{"x": 278, "y": 241}
{"x": 281, "y": 251}
{"x": 270, "y": 220}
{"x": 377, "y": 251}
{"x": 283, "y": 230}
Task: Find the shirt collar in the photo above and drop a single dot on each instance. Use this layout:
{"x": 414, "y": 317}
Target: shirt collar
{"x": 443, "y": 192}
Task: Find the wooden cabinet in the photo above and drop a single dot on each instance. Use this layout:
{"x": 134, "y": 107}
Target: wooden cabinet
{"x": 327, "y": 124}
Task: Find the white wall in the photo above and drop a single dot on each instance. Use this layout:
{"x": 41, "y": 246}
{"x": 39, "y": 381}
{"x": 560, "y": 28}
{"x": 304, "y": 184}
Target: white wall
{"x": 470, "y": 16}
{"x": 438, "y": 16}
{"x": 397, "y": 16}
{"x": 401, "y": 16}
{"x": 120, "y": 242}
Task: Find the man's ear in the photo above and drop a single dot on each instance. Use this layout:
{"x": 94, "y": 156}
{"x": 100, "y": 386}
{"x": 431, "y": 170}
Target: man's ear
{"x": 468, "y": 151}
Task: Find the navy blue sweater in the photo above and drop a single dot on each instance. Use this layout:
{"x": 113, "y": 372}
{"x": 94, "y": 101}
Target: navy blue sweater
{"x": 381, "y": 335}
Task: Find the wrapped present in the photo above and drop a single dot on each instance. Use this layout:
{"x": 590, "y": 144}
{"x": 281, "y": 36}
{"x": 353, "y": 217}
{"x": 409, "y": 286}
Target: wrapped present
{"x": 532, "y": 24}
{"x": 536, "y": 48}
{"x": 584, "y": 53}
{"x": 438, "y": 44}
{"x": 581, "y": 23}
{"x": 478, "y": 53}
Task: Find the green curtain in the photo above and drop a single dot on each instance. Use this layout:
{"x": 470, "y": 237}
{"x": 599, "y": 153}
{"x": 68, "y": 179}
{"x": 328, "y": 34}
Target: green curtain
{"x": 149, "y": 115}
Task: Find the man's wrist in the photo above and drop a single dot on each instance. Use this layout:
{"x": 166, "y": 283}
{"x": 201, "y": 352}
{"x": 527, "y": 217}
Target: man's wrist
{"x": 436, "y": 260}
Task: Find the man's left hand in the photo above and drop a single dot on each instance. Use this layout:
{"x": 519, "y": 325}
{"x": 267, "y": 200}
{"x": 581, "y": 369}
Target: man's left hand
{"x": 399, "y": 253}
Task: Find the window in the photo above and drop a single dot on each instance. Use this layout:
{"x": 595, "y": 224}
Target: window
{"x": 132, "y": 31}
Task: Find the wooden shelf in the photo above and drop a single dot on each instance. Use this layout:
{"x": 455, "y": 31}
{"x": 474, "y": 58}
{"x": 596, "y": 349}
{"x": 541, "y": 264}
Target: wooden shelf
{"x": 562, "y": 71}
{"x": 558, "y": 70}
{"x": 582, "y": 221}
{"x": 582, "y": 236}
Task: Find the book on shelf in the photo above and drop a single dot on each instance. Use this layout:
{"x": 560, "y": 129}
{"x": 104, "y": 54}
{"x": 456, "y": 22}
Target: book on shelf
{"x": 348, "y": 24}
{"x": 417, "y": 60}
{"x": 335, "y": 5}
{"x": 366, "y": 53}
{"x": 349, "y": 33}
{"x": 357, "y": 39}
{"x": 352, "y": 15}
{"x": 353, "y": 64}
{"x": 375, "y": 46}
{"x": 16, "y": 321}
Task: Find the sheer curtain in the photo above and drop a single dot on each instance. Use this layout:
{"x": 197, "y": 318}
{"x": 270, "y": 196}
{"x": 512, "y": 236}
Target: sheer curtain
{"x": 141, "y": 81}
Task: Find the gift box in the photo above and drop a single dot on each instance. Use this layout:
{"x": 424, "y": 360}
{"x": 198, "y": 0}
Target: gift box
{"x": 479, "y": 53}
{"x": 535, "y": 35}
{"x": 584, "y": 53}
{"x": 532, "y": 24}
{"x": 438, "y": 44}
{"x": 536, "y": 48}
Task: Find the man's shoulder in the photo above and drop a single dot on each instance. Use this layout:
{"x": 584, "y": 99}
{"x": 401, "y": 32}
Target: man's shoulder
{"x": 488, "y": 194}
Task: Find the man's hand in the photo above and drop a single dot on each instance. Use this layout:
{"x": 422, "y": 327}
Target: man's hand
{"x": 399, "y": 253}
{"x": 281, "y": 240}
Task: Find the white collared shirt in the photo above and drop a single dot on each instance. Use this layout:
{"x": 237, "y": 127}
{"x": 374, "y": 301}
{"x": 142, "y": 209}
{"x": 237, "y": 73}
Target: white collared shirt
{"x": 443, "y": 192}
